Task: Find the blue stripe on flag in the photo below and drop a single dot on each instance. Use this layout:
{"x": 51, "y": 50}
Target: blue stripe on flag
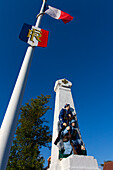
{"x": 24, "y": 32}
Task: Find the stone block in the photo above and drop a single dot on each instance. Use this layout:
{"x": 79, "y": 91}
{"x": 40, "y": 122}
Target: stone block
{"x": 76, "y": 162}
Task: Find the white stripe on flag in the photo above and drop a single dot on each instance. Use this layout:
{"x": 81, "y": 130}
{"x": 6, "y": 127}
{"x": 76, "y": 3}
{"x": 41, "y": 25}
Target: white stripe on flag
{"x": 35, "y": 41}
{"x": 53, "y": 12}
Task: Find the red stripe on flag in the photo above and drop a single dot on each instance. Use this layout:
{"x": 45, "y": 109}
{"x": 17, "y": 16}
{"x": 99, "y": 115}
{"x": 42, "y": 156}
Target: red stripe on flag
{"x": 65, "y": 17}
{"x": 43, "y": 38}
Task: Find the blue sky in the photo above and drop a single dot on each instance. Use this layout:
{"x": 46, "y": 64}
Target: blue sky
{"x": 80, "y": 51}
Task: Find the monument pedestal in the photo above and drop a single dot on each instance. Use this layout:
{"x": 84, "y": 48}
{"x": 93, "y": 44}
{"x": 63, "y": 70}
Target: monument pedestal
{"x": 76, "y": 162}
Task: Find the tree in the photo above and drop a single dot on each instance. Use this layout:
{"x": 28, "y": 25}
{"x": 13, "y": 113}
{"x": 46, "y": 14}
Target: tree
{"x": 32, "y": 133}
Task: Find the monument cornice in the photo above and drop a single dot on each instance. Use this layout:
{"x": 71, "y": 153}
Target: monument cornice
{"x": 62, "y": 83}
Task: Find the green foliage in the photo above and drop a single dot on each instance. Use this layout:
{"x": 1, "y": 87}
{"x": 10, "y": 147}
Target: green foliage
{"x": 32, "y": 133}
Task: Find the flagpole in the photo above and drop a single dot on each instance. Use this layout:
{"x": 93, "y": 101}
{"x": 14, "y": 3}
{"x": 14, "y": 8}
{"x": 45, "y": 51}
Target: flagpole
{"x": 11, "y": 116}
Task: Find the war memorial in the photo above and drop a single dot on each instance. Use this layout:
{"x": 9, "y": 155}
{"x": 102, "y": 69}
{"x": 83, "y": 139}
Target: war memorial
{"x": 68, "y": 149}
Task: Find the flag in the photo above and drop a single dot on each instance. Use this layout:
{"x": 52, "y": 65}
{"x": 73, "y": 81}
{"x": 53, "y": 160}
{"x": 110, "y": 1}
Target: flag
{"x": 58, "y": 14}
{"x": 34, "y": 36}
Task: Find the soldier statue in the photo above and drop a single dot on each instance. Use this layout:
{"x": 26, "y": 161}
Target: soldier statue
{"x": 69, "y": 134}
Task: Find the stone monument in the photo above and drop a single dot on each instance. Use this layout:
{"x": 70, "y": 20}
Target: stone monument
{"x": 72, "y": 162}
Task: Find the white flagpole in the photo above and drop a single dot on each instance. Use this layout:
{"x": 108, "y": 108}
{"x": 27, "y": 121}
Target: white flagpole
{"x": 11, "y": 116}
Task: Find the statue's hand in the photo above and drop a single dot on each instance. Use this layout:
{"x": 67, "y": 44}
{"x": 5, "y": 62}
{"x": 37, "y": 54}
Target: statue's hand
{"x": 69, "y": 115}
{"x": 82, "y": 147}
{"x": 68, "y": 128}
{"x": 64, "y": 124}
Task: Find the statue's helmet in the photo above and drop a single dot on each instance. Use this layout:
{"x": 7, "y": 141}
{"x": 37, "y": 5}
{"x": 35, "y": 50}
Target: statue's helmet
{"x": 66, "y": 105}
{"x": 73, "y": 121}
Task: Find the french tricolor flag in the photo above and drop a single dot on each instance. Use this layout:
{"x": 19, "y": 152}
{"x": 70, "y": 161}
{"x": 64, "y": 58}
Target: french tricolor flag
{"x": 58, "y": 14}
{"x": 34, "y": 36}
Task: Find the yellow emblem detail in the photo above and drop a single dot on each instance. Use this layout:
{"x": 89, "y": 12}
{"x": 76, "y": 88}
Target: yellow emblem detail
{"x": 65, "y": 81}
{"x": 34, "y": 33}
